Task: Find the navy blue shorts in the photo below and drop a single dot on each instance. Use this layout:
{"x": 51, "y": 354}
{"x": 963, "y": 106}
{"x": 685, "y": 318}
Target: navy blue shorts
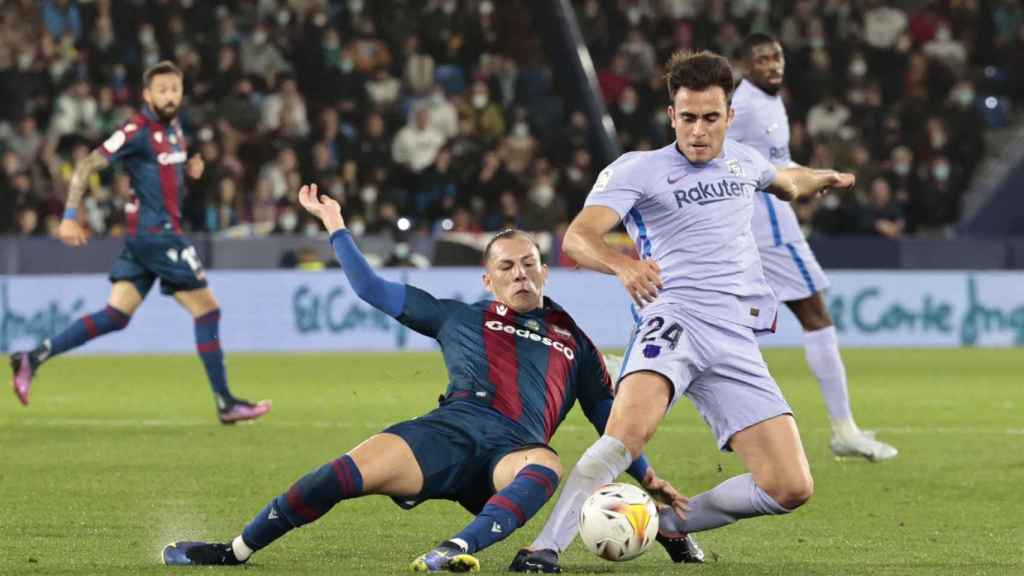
{"x": 458, "y": 445}
{"x": 167, "y": 256}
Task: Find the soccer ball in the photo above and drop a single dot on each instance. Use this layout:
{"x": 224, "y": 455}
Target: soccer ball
{"x": 618, "y": 522}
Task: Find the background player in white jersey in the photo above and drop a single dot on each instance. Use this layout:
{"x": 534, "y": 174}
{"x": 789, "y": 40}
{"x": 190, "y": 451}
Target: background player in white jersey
{"x": 789, "y": 264}
{"x": 702, "y": 296}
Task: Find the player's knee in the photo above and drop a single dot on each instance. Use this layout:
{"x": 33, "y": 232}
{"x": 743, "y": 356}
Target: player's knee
{"x": 634, "y": 435}
{"x": 792, "y": 493}
{"x": 818, "y": 322}
{"x": 207, "y": 315}
{"x": 552, "y": 463}
{"x": 636, "y": 441}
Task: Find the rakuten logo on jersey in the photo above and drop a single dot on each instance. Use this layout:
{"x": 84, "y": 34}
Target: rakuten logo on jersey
{"x": 168, "y": 158}
{"x": 499, "y": 326}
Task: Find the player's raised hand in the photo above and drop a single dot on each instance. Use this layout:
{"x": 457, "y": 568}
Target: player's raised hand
{"x": 194, "y": 167}
{"x": 642, "y": 279}
{"x": 322, "y": 206}
{"x": 71, "y": 233}
{"x": 664, "y": 492}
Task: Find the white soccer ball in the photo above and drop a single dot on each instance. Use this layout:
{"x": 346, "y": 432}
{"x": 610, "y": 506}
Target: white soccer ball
{"x": 618, "y": 522}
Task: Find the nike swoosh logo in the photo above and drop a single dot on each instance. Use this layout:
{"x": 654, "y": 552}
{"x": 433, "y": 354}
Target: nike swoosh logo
{"x": 672, "y": 180}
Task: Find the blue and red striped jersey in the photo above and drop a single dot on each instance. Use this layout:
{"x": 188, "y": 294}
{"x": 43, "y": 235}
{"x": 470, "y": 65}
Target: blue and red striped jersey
{"x": 529, "y": 367}
{"x": 154, "y": 155}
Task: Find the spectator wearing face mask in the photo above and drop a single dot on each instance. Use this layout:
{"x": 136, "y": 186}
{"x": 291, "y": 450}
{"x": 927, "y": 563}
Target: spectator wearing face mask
{"x": 902, "y": 179}
{"x": 486, "y": 115}
{"x": 287, "y": 220}
{"x": 937, "y": 204}
{"x": 882, "y": 216}
{"x": 630, "y": 119}
{"x": 443, "y": 115}
{"x": 260, "y": 56}
{"x": 965, "y": 122}
{"x": 544, "y": 207}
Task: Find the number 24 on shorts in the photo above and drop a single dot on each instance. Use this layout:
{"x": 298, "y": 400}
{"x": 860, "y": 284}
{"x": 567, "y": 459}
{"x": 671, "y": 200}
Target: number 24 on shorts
{"x": 654, "y": 329}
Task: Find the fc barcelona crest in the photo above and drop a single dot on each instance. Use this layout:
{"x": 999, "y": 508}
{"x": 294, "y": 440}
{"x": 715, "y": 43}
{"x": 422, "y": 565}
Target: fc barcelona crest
{"x": 735, "y": 168}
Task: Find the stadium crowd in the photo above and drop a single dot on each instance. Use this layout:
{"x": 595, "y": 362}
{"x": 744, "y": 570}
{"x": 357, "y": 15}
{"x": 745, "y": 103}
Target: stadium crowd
{"x": 443, "y": 115}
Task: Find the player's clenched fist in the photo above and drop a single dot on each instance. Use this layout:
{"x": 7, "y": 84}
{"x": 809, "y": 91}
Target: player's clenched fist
{"x": 71, "y": 233}
{"x": 642, "y": 279}
{"x": 322, "y": 206}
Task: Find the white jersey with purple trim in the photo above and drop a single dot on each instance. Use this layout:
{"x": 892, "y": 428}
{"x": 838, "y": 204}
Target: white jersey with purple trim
{"x": 761, "y": 122}
{"x": 694, "y": 221}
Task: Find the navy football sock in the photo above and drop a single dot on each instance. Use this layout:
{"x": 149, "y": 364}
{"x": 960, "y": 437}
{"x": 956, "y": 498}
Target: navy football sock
{"x": 307, "y": 500}
{"x": 81, "y": 331}
{"x": 208, "y": 344}
{"x": 510, "y": 508}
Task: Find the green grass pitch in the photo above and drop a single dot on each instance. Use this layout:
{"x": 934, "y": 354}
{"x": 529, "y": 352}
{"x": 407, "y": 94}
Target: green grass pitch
{"x": 117, "y": 456}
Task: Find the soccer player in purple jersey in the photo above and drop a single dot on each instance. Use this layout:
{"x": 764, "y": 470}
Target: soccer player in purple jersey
{"x": 516, "y": 365}
{"x": 788, "y": 261}
{"x": 152, "y": 149}
{"x": 702, "y": 297}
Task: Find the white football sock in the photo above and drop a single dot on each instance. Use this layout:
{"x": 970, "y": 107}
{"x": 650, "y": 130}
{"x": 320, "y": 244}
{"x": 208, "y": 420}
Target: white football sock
{"x": 736, "y": 498}
{"x": 600, "y": 464}
{"x": 822, "y": 350}
{"x": 241, "y": 550}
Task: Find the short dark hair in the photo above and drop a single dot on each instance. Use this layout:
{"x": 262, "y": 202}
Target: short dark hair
{"x": 753, "y": 41}
{"x": 505, "y": 235}
{"x": 698, "y": 71}
{"x": 161, "y": 67}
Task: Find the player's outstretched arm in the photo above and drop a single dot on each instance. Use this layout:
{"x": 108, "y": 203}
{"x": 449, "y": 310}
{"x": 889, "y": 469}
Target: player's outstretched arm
{"x": 386, "y": 296}
{"x": 70, "y": 231}
{"x": 584, "y": 243}
{"x": 798, "y": 182}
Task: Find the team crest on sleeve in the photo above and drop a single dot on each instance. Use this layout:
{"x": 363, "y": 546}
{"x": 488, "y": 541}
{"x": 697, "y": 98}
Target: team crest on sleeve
{"x": 735, "y": 168}
{"x": 115, "y": 141}
{"x": 602, "y": 180}
{"x": 651, "y": 351}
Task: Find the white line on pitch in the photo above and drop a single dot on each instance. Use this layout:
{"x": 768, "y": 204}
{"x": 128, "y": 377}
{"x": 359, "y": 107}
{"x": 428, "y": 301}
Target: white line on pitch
{"x": 341, "y": 422}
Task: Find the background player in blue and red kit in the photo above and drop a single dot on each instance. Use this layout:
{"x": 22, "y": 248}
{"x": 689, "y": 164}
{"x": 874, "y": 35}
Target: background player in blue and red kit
{"x": 151, "y": 148}
{"x": 516, "y": 366}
